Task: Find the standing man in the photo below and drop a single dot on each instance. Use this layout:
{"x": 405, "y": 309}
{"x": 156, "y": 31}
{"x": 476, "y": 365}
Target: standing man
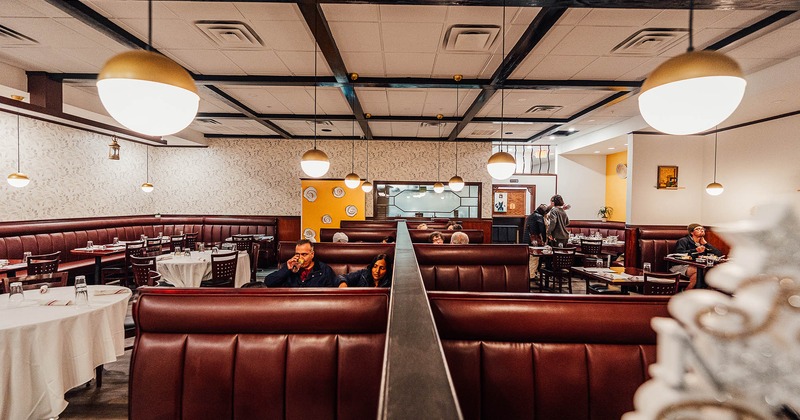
{"x": 558, "y": 222}
{"x": 535, "y": 231}
{"x": 301, "y": 270}
{"x": 695, "y": 245}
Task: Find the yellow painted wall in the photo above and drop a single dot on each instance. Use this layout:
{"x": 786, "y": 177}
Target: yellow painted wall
{"x": 327, "y": 204}
{"x": 616, "y": 187}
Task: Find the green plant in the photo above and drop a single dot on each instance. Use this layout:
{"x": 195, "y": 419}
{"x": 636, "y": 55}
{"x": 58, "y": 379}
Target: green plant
{"x": 605, "y": 212}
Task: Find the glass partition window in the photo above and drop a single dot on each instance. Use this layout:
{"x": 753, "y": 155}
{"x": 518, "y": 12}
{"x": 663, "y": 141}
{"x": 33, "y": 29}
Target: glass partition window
{"x": 399, "y": 199}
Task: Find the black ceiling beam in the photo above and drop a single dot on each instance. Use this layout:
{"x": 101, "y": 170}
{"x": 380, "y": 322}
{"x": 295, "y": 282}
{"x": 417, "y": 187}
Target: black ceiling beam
{"x": 538, "y": 28}
{"x": 233, "y": 102}
{"x": 347, "y": 138}
{"x": 315, "y": 19}
{"x": 390, "y": 118}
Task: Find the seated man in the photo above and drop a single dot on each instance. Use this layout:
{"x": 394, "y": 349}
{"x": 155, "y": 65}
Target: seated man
{"x": 301, "y": 270}
{"x": 436, "y": 238}
{"x": 695, "y": 245}
{"x": 340, "y": 237}
{"x": 459, "y": 238}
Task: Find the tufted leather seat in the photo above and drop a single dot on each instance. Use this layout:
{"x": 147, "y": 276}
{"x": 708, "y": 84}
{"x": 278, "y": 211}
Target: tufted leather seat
{"x": 655, "y": 243}
{"x": 516, "y": 356}
{"x": 343, "y": 258}
{"x": 588, "y": 227}
{"x": 476, "y": 268}
{"x": 257, "y": 353}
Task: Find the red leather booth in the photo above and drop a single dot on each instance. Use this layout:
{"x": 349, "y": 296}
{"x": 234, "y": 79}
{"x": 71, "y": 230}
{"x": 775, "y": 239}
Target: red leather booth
{"x": 374, "y": 235}
{"x": 475, "y": 268}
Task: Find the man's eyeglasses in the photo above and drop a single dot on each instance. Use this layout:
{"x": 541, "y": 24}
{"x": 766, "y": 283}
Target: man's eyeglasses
{"x": 699, "y": 228}
{"x": 302, "y": 254}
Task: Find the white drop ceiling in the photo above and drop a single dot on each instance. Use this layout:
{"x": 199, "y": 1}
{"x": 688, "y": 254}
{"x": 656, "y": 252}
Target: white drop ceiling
{"x": 404, "y": 65}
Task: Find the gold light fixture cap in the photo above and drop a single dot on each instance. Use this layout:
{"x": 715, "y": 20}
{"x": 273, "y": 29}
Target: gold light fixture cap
{"x": 714, "y": 188}
{"x": 438, "y": 187}
{"x": 366, "y": 186}
{"x": 458, "y": 77}
{"x": 149, "y": 66}
{"x": 501, "y": 157}
{"x": 354, "y": 76}
{"x": 692, "y": 65}
{"x": 456, "y": 183}
{"x": 352, "y": 180}
{"x": 147, "y": 187}
{"x": 18, "y": 179}
{"x": 315, "y": 154}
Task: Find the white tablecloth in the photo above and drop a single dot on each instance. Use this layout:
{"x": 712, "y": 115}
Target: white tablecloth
{"x": 47, "y": 350}
{"x": 183, "y": 271}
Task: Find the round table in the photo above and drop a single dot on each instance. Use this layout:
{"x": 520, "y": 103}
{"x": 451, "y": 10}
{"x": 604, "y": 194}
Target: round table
{"x": 48, "y": 350}
{"x": 189, "y": 271}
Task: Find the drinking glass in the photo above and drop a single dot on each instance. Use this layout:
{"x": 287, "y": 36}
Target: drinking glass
{"x": 89, "y": 244}
{"x": 15, "y": 296}
{"x": 646, "y": 267}
{"x": 160, "y": 234}
{"x": 177, "y": 250}
{"x": 80, "y": 281}
{"x": 560, "y": 245}
{"x": 599, "y": 263}
{"x": 709, "y": 262}
{"x": 202, "y": 246}
{"x": 25, "y": 256}
{"x": 116, "y": 240}
{"x": 81, "y": 291}
{"x": 142, "y": 237}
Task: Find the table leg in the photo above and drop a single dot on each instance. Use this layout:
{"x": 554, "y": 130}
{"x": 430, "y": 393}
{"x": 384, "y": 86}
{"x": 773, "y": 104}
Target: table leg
{"x": 98, "y": 264}
{"x": 701, "y": 278}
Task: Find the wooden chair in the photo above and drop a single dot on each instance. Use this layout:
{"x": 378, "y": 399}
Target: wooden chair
{"x": 153, "y": 247}
{"x": 141, "y": 268}
{"x": 223, "y": 270}
{"x": 177, "y": 241}
{"x": 122, "y": 275}
{"x": 558, "y": 272}
{"x": 255, "y": 250}
{"x": 592, "y": 247}
{"x": 660, "y": 283}
{"x": 243, "y": 242}
{"x": 191, "y": 240}
{"x": 35, "y": 281}
{"x": 43, "y": 264}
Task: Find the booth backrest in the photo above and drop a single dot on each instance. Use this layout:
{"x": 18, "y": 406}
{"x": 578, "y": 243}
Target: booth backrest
{"x": 589, "y": 227}
{"x": 431, "y": 225}
{"x": 257, "y": 353}
{"x": 655, "y": 243}
{"x": 546, "y": 357}
{"x": 372, "y": 224}
{"x": 421, "y": 236}
{"x": 374, "y": 235}
{"x": 341, "y": 257}
{"x": 475, "y": 268}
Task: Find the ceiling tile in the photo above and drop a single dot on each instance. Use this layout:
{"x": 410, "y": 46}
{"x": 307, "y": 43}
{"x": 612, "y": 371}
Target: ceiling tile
{"x": 555, "y": 67}
{"x": 167, "y": 33}
{"x": 16, "y": 9}
{"x": 351, "y": 12}
{"x": 405, "y": 129}
{"x": 124, "y": 9}
{"x": 406, "y": 101}
{"x": 357, "y": 36}
{"x": 777, "y": 44}
{"x": 618, "y": 17}
{"x": 412, "y": 14}
{"x": 301, "y": 63}
{"x": 205, "y": 61}
{"x": 409, "y": 64}
{"x": 258, "y": 62}
{"x": 607, "y": 68}
{"x": 411, "y": 37}
{"x": 268, "y": 11}
{"x": 592, "y": 40}
{"x": 469, "y": 65}
{"x": 189, "y": 11}
{"x": 285, "y": 35}
{"x": 258, "y": 99}
{"x": 380, "y": 128}
{"x": 373, "y": 100}
{"x": 365, "y": 64}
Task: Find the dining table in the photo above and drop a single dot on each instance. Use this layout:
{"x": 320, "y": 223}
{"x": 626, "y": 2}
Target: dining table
{"x": 627, "y": 278}
{"x": 49, "y": 345}
{"x": 98, "y": 252}
{"x": 702, "y": 267}
{"x": 10, "y": 267}
{"x": 190, "y": 270}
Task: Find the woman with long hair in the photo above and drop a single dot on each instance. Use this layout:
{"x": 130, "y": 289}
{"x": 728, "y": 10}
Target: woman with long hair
{"x": 377, "y": 274}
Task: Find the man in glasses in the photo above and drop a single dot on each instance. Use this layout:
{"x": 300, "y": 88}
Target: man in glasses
{"x": 301, "y": 270}
{"x": 693, "y": 244}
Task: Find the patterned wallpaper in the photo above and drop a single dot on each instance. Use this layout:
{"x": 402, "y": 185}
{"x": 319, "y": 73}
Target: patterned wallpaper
{"x": 71, "y": 175}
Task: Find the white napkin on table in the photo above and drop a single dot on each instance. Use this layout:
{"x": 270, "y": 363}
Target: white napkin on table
{"x": 108, "y": 292}
{"x": 56, "y": 302}
{"x": 163, "y": 257}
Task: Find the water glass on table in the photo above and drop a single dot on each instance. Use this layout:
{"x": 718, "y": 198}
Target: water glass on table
{"x": 116, "y": 240}
{"x": 25, "y": 256}
{"x": 89, "y": 245}
{"x": 15, "y": 295}
{"x": 646, "y": 267}
{"x": 81, "y": 291}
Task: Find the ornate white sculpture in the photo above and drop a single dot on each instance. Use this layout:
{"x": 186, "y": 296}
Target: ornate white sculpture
{"x": 734, "y": 356}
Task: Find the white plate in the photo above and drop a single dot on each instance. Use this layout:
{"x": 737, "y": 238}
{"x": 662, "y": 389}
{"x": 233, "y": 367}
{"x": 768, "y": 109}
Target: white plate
{"x": 309, "y": 233}
{"x": 351, "y": 210}
{"x": 338, "y": 192}
{"x": 310, "y": 194}
{"x": 327, "y": 219}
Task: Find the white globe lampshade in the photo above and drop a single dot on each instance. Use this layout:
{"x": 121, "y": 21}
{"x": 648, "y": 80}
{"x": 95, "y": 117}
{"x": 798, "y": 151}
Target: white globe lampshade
{"x": 18, "y": 180}
{"x": 148, "y": 93}
{"x": 147, "y": 187}
{"x": 714, "y": 188}
{"x": 692, "y": 92}
{"x": 315, "y": 163}
{"x": 352, "y": 181}
{"x": 366, "y": 186}
{"x": 501, "y": 165}
{"x": 438, "y": 188}
{"x": 456, "y": 183}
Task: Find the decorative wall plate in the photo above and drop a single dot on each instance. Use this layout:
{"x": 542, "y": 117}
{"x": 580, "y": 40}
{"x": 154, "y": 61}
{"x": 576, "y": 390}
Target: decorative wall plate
{"x": 327, "y": 219}
{"x": 338, "y": 192}
{"x": 351, "y": 210}
{"x": 310, "y": 194}
{"x": 622, "y": 170}
{"x": 309, "y": 233}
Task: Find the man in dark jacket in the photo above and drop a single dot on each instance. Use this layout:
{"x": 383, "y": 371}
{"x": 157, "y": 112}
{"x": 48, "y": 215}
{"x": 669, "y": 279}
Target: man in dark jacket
{"x": 695, "y": 245}
{"x": 301, "y": 270}
{"x": 535, "y": 229}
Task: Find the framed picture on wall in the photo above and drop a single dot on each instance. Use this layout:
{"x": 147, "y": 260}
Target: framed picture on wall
{"x": 500, "y": 202}
{"x": 667, "y": 178}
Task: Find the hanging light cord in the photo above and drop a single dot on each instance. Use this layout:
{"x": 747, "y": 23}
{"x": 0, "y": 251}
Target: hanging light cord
{"x": 353, "y": 149}
{"x": 438, "y": 150}
{"x": 456, "y": 138}
{"x": 503, "y": 66}
{"x": 315, "y": 80}
{"x": 150, "y": 25}
{"x": 367, "y": 177}
{"x": 691, "y": 26}
{"x": 18, "y": 147}
{"x": 148, "y": 164}
{"x": 715, "y": 155}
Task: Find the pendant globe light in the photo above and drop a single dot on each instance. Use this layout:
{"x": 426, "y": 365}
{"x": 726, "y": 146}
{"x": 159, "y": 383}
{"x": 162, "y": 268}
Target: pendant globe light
{"x": 715, "y": 188}
{"x": 315, "y": 163}
{"x": 146, "y": 91}
{"x": 366, "y": 186}
{"x": 438, "y": 187}
{"x": 692, "y": 92}
{"x": 18, "y": 179}
{"x": 352, "y": 180}
{"x": 147, "y": 186}
{"x": 456, "y": 183}
{"x": 502, "y": 165}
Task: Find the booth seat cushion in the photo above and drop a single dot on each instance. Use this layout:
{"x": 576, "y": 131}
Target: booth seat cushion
{"x": 546, "y": 357}
{"x": 655, "y": 243}
{"x": 477, "y": 268}
{"x": 343, "y": 258}
{"x": 358, "y": 234}
{"x": 257, "y": 353}
{"x": 589, "y": 227}
{"x": 421, "y": 236}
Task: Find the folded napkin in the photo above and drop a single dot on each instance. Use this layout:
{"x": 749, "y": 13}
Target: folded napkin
{"x": 107, "y": 292}
{"x": 163, "y": 257}
{"x": 56, "y": 302}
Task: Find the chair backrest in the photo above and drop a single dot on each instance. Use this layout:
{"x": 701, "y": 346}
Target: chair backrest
{"x": 223, "y": 265}
{"x": 133, "y": 249}
{"x": 177, "y": 241}
{"x": 254, "y": 251}
{"x": 661, "y": 283}
{"x": 591, "y": 246}
{"x": 563, "y": 258}
{"x": 153, "y": 246}
{"x": 191, "y": 239}
{"x": 43, "y": 264}
{"x": 35, "y": 281}
{"x": 141, "y": 267}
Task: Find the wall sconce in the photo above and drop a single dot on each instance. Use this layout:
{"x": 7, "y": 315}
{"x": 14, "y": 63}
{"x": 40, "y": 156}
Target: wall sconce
{"x": 113, "y": 149}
